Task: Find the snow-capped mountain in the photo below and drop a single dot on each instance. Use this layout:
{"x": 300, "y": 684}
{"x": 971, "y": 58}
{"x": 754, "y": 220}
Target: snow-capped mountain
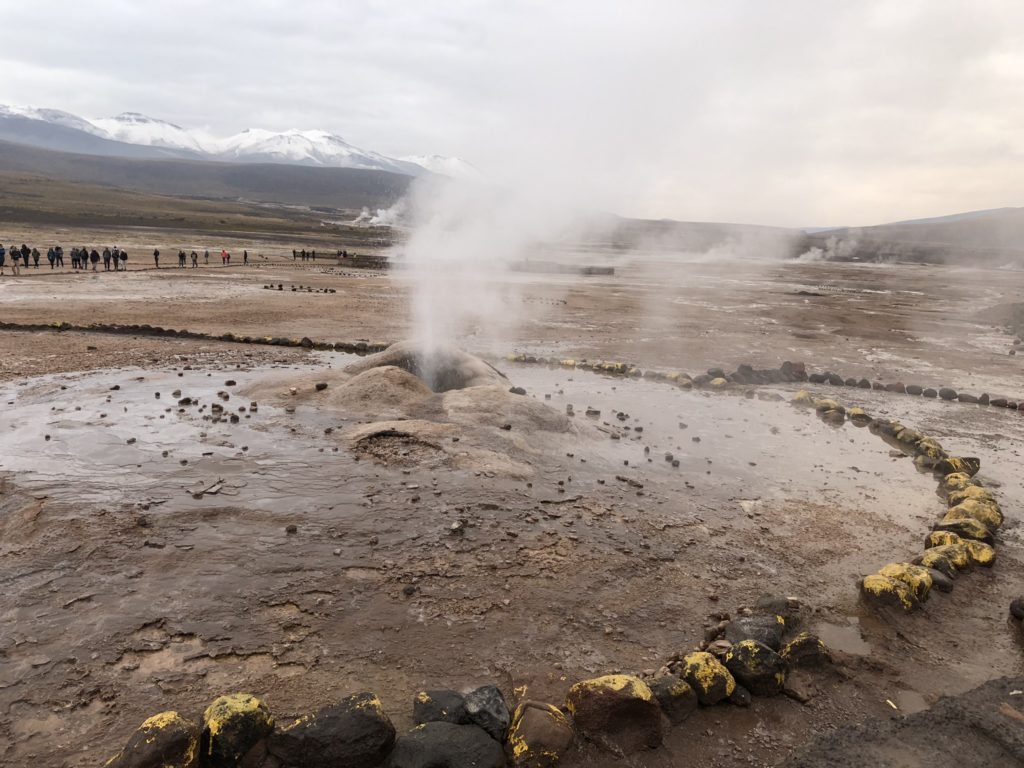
{"x": 133, "y": 128}
{"x": 307, "y": 148}
{"x": 134, "y": 135}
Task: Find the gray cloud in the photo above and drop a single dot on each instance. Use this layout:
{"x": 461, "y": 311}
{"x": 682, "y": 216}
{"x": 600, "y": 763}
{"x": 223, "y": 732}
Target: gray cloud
{"x": 785, "y": 112}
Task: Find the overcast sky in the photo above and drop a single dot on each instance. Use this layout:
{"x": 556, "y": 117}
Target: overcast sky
{"x": 780, "y": 112}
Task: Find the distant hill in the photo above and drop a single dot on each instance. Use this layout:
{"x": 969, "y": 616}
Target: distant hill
{"x": 985, "y": 238}
{"x": 327, "y": 188}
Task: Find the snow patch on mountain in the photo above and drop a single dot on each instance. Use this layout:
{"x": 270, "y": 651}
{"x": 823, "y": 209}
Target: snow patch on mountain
{"x": 54, "y": 116}
{"x": 133, "y": 128}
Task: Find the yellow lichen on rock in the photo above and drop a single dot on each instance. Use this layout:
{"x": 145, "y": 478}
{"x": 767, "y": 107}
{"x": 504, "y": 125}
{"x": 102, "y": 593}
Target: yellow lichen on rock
{"x": 980, "y": 553}
{"x": 954, "y": 553}
{"x": 914, "y": 576}
{"x": 975, "y": 492}
{"x": 956, "y": 481}
{"x": 708, "y": 677}
{"x": 985, "y": 512}
{"x": 232, "y": 723}
{"x": 803, "y": 398}
{"x": 631, "y": 686}
{"x": 886, "y": 590}
{"x": 858, "y": 416}
{"x": 940, "y": 538}
{"x": 539, "y": 735}
{"x": 718, "y": 383}
{"x": 827, "y": 404}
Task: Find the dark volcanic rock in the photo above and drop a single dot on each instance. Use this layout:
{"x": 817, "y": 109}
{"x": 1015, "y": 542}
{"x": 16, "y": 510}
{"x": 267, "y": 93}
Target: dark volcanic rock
{"x": 965, "y": 398}
{"x": 446, "y": 745}
{"x": 355, "y": 732}
{"x": 756, "y": 667}
{"x": 232, "y": 725}
{"x": 741, "y": 697}
{"x": 619, "y": 712}
{"x": 864, "y": 384}
{"x": 540, "y": 735}
{"x": 914, "y": 389}
{"x": 946, "y": 393}
{"x": 677, "y": 698}
{"x": 166, "y": 739}
{"x": 487, "y": 708}
{"x": 766, "y": 629}
{"x": 929, "y": 392}
{"x": 439, "y": 706}
{"x": 1017, "y": 608}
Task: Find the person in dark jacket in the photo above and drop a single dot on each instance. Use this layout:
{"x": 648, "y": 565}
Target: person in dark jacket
{"x": 58, "y": 254}
{"x": 35, "y": 258}
{"x": 195, "y": 259}
{"x": 156, "y": 257}
{"x": 51, "y": 255}
{"x": 245, "y": 257}
{"x": 181, "y": 259}
{"x": 123, "y": 256}
{"x": 106, "y": 259}
{"x": 94, "y": 257}
{"x": 3, "y": 258}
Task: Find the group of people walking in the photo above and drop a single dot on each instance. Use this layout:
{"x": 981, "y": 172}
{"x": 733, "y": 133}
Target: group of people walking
{"x": 183, "y": 259}
{"x": 115, "y": 258}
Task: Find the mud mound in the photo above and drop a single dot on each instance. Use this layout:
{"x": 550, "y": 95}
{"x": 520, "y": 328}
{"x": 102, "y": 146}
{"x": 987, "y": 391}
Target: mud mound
{"x": 442, "y": 368}
{"x": 403, "y": 443}
{"x": 495, "y": 406}
{"x": 378, "y": 388}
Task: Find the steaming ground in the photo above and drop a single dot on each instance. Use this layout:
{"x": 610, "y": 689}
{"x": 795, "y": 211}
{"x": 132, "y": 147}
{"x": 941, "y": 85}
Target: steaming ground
{"x": 434, "y": 547}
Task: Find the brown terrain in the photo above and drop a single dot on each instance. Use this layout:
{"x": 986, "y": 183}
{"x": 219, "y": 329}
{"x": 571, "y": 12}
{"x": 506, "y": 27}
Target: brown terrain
{"x": 147, "y": 560}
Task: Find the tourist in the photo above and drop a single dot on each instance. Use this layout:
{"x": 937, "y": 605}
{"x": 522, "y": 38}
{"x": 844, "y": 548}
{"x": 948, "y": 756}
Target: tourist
{"x": 15, "y": 258}
{"x": 51, "y": 256}
{"x": 58, "y": 253}
{"x": 94, "y": 257}
{"x": 106, "y": 259}
{"x": 206, "y": 257}
{"x": 195, "y": 259}
{"x": 35, "y": 258}
{"x": 3, "y": 258}
{"x": 156, "y": 257}
{"x": 294, "y": 254}
{"x": 245, "y": 257}
{"x": 314, "y": 254}
{"x": 181, "y": 259}
{"x": 123, "y": 256}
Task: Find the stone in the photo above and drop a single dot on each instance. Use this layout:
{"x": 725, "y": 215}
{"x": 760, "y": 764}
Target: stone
{"x": 803, "y": 398}
{"x": 487, "y": 708}
{"x": 969, "y": 492}
{"x": 940, "y": 538}
{"x": 756, "y": 667}
{"x": 980, "y": 553}
{"x": 718, "y": 383}
{"x": 677, "y": 698}
{"x": 946, "y": 393}
{"x": 805, "y": 650}
{"x": 864, "y": 384}
{"x": 956, "y": 554}
{"x": 998, "y": 402}
{"x": 914, "y": 576}
{"x": 517, "y": 391}
{"x": 619, "y": 712}
{"x": 232, "y": 724}
{"x": 956, "y": 481}
{"x": 540, "y": 735}
{"x": 1017, "y": 608}
{"x": 984, "y": 399}
{"x": 321, "y": 386}
{"x": 929, "y": 392}
{"x": 708, "y": 677}
{"x": 446, "y": 745}
{"x": 965, "y": 398}
{"x": 968, "y": 465}
{"x": 166, "y": 740}
{"x": 741, "y": 697}
{"x": 766, "y": 629}
{"x": 439, "y": 706}
{"x": 858, "y": 416}
{"x": 940, "y": 581}
{"x": 914, "y": 389}
{"x": 888, "y": 592}
{"x": 987, "y": 513}
{"x": 827, "y": 404}
{"x": 356, "y": 733}
{"x": 780, "y": 605}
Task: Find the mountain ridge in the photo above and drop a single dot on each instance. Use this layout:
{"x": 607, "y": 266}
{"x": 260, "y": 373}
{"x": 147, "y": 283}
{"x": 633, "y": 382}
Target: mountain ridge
{"x": 132, "y": 134}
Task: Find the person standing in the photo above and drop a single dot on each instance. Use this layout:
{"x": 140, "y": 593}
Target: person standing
{"x": 51, "y": 255}
{"x": 123, "y": 256}
{"x": 245, "y": 257}
{"x": 156, "y": 257}
{"x": 206, "y": 257}
{"x": 106, "y": 259}
{"x": 35, "y": 258}
{"x": 3, "y": 257}
{"x": 195, "y": 259}
{"x": 15, "y": 259}
{"x": 294, "y": 254}
{"x": 94, "y": 257}
{"x": 58, "y": 254}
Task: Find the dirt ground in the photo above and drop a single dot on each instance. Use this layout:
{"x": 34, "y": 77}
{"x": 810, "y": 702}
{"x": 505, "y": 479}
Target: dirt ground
{"x": 129, "y": 587}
